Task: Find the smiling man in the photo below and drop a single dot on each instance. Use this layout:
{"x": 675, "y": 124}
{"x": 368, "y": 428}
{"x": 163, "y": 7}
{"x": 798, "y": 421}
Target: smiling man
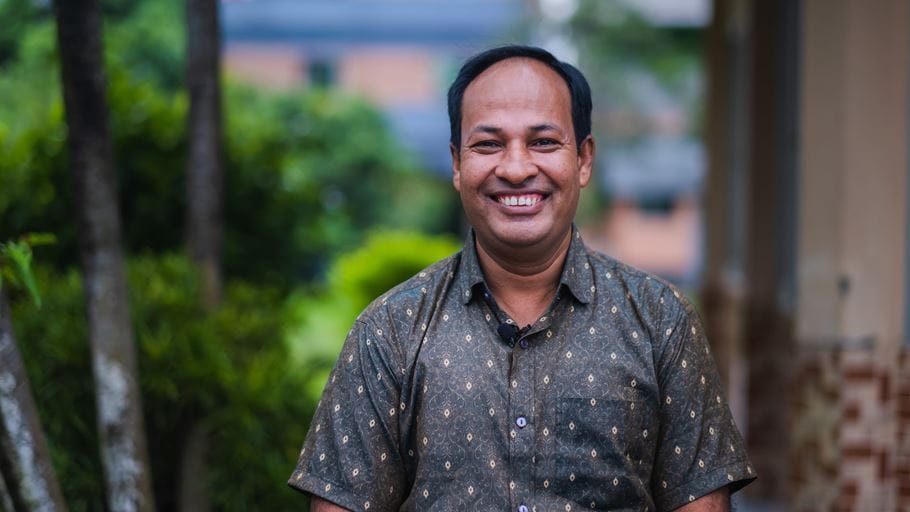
{"x": 525, "y": 372}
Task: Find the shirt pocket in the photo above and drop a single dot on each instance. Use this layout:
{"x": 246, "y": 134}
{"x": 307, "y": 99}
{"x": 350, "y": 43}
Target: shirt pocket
{"x": 600, "y": 446}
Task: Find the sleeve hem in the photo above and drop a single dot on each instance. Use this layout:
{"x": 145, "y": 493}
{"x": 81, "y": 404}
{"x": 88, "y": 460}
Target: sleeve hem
{"x": 706, "y": 484}
{"x": 316, "y": 486}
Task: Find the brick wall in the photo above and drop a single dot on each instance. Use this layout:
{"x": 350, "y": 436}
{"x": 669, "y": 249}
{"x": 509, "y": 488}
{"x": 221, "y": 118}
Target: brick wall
{"x": 850, "y": 439}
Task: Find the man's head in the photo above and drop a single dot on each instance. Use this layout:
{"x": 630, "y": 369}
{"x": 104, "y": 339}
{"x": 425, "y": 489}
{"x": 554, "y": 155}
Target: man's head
{"x": 521, "y": 147}
{"x": 579, "y": 91}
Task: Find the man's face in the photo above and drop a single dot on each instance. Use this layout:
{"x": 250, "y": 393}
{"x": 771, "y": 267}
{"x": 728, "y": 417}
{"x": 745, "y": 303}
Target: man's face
{"x": 518, "y": 171}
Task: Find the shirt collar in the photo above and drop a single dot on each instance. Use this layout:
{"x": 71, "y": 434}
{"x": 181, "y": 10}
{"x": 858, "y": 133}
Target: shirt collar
{"x": 577, "y": 272}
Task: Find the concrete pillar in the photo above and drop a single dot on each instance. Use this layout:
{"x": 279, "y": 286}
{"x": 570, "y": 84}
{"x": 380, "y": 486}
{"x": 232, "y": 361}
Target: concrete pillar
{"x": 771, "y": 227}
{"x": 852, "y": 258}
{"x": 853, "y": 185}
{"x": 726, "y": 198}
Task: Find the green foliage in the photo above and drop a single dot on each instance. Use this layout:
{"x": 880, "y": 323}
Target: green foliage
{"x": 386, "y": 259}
{"x": 614, "y": 36}
{"x": 228, "y": 371}
{"x": 320, "y": 320}
{"x": 629, "y": 61}
{"x": 309, "y": 174}
{"x": 16, "y": 263}
{"x": 306, "y": 172}
{"x": 149, "y": 44}
{"x": 16, "y": 17}
{"x": 19, "y": 18}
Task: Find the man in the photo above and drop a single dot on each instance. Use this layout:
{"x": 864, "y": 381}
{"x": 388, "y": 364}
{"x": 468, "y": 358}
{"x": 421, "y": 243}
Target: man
{"x": 525, "y": 372}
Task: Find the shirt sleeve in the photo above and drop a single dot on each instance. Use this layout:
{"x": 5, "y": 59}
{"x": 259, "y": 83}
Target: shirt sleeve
{"x": 351, "y": 455}
{"x": 700, "y": 449}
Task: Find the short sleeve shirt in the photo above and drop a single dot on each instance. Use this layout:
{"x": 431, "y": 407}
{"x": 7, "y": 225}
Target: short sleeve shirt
{"x": 609, "y": 401}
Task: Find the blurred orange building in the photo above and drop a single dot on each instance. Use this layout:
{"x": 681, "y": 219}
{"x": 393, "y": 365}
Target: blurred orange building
{"x": 399, "y": 54}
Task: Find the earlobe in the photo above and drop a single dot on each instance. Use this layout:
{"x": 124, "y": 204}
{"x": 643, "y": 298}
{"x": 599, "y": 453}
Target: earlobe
{"x": 586, "y": 161}
{"x": 456, "y": 167}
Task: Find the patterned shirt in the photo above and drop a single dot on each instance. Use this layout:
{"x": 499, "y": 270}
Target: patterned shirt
{"x": 610, "y": 401}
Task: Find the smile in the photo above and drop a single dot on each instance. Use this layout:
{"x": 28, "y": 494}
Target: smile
{"x": 519, "y": 200}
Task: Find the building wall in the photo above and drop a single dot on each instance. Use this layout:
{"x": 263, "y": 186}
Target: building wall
{"x": 809, "y": 115}
{"x": 391, "y": 76}
{"x": 854, "y": 170}
{"x": 388, "y": 76}
{"x": 269, "y": 66}
{"x": 852, "y": 257}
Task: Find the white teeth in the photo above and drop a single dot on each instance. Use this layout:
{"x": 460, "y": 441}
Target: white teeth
{"x": 529, "y": 200}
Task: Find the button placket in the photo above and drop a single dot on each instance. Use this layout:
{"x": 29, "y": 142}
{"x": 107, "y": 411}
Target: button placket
{"x": 521, "y": 428}
{"x": 523, "y": 444}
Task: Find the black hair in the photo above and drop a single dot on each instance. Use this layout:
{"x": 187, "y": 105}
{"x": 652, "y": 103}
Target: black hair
{"x": 579, "y": 90}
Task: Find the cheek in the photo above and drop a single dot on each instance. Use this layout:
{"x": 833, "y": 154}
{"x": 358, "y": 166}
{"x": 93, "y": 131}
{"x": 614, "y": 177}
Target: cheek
{"x": 564, "y": 175}
{"x": 472, "y": 175}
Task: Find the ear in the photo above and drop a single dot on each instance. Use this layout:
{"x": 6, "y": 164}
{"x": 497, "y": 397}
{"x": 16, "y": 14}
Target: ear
{"x": 456, "y": 167}
{"x": 586, "y": 161}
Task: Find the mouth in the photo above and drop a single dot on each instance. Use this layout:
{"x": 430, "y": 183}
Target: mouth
{"x": 526, "y": 200}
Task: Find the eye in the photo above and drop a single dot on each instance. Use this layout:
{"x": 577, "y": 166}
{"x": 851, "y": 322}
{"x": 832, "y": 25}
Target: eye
{"x": 546, "y": 142}
{"x": 486, "y": 146}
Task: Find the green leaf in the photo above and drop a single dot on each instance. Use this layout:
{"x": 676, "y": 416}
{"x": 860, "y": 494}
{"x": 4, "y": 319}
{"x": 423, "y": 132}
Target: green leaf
{"x": 19, "y": 256}
{"x": 36, "y": 239}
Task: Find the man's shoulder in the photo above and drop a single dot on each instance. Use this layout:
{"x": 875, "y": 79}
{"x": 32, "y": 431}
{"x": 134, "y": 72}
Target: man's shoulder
{"x": 639, "y": 286}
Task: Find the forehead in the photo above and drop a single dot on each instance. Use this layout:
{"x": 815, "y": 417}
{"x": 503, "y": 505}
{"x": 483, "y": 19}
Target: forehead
{"x": 518, "y": 84}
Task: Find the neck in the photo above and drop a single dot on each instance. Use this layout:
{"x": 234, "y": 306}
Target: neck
{"x": 524, "y": 288}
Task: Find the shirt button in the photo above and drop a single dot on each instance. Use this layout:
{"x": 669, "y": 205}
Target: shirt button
{"x": 523, "y": 344}
{"x": 522, "y": 508}
{"x": 521, "y": 421}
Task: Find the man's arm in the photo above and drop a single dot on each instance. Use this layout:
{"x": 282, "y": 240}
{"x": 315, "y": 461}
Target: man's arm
{"x": 717, "y": 501}
{"x": 362, "y": 392}
{"x": 318, "y": 504}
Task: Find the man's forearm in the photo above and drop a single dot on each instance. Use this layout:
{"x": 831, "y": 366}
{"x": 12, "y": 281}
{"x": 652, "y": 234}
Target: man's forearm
{"x": 717, "y": 501}
{"x": 320, "y": 505}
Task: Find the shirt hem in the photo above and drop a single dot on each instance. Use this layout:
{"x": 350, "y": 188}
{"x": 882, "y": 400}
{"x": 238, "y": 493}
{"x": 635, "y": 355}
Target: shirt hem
{"x": 705, "y": 484}
{"x": 315, "y": 486}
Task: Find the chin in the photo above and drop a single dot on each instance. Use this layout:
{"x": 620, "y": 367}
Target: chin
{"x": 517, "y": 235}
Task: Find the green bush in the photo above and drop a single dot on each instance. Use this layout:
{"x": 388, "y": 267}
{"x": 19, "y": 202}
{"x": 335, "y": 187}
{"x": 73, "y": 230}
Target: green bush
{"x": 386, "y": 259}
{"x": 228, "y": 370}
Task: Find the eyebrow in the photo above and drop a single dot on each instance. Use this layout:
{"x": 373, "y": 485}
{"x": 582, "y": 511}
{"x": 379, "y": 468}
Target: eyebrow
{"x": 484, "y": 128}
{"x": 544, "y": 127}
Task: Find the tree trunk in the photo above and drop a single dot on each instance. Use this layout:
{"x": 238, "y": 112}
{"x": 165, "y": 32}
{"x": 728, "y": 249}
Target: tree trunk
{"x": 25, "y": 462}
{"x": 204, "y": 172}
{"x": 120, "y": 422}
{"x": 6, "y": 501}
{"x": 204, "y": 209}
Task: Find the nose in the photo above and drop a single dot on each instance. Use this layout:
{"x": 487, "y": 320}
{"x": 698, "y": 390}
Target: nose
{"x": 516, "y": 165}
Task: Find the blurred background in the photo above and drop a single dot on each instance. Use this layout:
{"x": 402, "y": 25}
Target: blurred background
{"x": 256, "y": 171}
